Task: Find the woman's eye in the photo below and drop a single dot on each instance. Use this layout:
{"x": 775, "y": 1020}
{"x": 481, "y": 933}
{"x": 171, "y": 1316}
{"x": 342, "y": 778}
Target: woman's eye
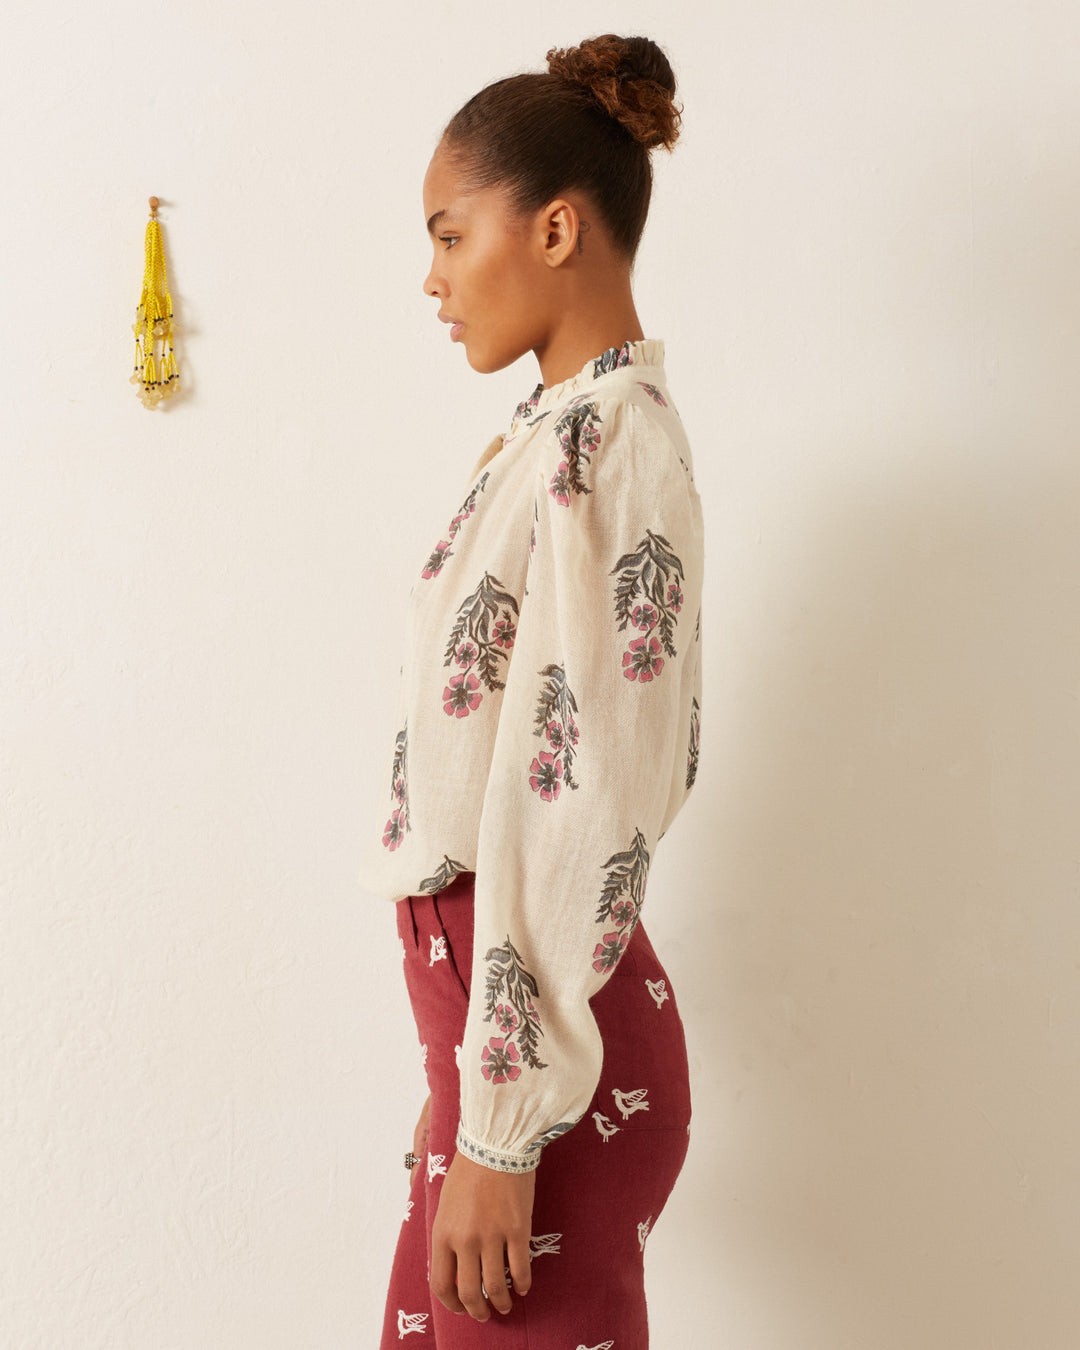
{"x": 449, "y": 239}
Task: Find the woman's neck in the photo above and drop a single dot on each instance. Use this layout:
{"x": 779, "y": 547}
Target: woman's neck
{"x": 585, "y": 331}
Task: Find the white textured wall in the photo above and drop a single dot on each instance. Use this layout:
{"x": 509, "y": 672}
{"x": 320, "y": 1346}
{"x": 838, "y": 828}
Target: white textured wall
{"x": 863, "y": 261}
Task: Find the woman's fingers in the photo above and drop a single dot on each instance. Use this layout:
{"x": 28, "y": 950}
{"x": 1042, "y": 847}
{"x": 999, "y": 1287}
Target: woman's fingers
{"x": 519, "y": 1261}
{"x": 420, "y": 1134}
{"x": 444, "y": 1276}
{"x": 494, "y": 1268}
{"x": 469, "y": 1290}
{"x": 420, "y": 1138}
{"x": 482, "y": 1224}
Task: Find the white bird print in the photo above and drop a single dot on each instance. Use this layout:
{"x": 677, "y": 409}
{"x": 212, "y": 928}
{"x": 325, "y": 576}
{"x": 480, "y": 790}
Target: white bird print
{"x": 643, "y": 1232}
{"x": 423, "y": 1056}
{"x": 438, "y": 950}
{"x": 629, "y": 1102}
{"x": 604, "y": 1345}
{"x": 658, "y": 989}
{"x": 435, "y": 1166}
{"x": 545, "y": 1243}
{"x": 408, "y": 1210}
{"x": 407, "y": 1322}
{"x": 604, "y": 1126}
{"x": 457, "y": 1055}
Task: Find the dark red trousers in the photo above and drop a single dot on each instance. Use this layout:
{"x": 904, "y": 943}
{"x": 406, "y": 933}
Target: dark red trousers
{"x": 600, "y": 1188}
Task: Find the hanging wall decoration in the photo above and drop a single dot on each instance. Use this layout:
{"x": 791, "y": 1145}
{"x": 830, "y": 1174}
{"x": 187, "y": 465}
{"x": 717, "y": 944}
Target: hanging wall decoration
{"x": 155, "y": 375}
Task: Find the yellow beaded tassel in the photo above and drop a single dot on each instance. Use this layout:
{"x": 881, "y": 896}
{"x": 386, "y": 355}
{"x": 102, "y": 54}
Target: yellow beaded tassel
{"x": 154, "y": 320}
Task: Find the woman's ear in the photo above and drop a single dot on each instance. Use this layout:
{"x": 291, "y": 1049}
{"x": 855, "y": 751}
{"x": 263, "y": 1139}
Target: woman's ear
{"x": 560, "y": 227}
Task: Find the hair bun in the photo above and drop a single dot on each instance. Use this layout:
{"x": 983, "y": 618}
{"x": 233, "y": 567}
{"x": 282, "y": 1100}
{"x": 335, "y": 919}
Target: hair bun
{"x": 632, "y": 80}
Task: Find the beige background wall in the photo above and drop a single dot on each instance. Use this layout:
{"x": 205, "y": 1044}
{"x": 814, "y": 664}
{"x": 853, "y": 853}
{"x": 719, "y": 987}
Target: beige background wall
{"x": 863, "y": 260}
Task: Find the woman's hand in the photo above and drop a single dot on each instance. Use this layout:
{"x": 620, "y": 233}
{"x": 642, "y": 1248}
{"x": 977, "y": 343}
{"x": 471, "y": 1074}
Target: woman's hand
{"x": 480, "y": 1213}
{"x": 420, "y": 1134}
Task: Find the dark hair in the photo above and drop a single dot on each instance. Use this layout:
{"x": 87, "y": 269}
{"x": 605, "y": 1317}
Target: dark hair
{"x": 588, "y": 123}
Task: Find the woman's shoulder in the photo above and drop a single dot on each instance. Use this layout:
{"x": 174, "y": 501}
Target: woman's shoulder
{"x": 624, "y": 422}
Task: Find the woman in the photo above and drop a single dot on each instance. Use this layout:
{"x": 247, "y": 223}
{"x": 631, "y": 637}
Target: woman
{"x": 546, "y": 735}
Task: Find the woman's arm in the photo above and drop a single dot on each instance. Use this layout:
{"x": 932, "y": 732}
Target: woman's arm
{"x": 588, "y": 768}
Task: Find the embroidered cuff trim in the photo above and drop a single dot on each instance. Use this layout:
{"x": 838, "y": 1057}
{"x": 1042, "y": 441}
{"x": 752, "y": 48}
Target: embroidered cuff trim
{"x": 495, "y": 1158}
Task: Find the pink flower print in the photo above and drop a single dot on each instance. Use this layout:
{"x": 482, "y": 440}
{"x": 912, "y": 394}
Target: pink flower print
{"x": 641, "y": 662}
{"x": 395, "y": 830}
{"x": 612, "y": 359}
{"x": 654, "y": 393}
{"x": 544, "y": 774}
{"x": 560, "y": 484}
{"x": 644, "y": 616}
{"x": 399, "y": 789}
{"x": 675, "y": 597}
{"x": 571, "y": 733}
{"x": 622, "y": 911}
{"x": 500, "y": 1061}
{"x": 466, "y": 654}
{"x": 607, "y": 953}
{"x": 505, "y": 1018}
{"x": 589, "y": 437}
{"x": 436, "y": 560}
{"x": 460, "y": 697}
{"x": 526, "y": 406}
{"x": 455, "y": 524}
{"x": 555, "y": 735}
{"x": 505, "y": 633}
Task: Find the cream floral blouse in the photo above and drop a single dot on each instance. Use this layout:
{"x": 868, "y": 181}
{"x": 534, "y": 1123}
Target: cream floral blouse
{"x": 547, "y": 728}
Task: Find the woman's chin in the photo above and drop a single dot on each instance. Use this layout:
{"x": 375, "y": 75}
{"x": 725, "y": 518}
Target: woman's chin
{"x": 479, "y": 361}
{"x": 486, "y": 363}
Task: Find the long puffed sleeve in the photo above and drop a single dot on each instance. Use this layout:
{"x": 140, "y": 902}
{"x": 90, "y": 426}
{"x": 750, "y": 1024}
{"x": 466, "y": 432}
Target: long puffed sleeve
{"x": 598, "y": 724}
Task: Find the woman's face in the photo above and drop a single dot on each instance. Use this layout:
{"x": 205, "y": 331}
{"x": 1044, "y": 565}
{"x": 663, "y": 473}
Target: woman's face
{"x": 487, "y": 271}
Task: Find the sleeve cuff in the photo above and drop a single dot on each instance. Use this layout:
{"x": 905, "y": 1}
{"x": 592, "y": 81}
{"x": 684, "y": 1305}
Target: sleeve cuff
{"x": 495, "y": 1158}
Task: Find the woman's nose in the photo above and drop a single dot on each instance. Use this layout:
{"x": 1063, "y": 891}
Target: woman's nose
{"x": 432, "y": 283}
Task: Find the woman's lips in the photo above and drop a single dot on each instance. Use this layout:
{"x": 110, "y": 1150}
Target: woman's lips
{"x": 455, "y": 330}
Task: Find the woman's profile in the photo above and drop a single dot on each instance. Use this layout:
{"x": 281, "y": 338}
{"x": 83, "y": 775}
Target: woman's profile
{"x": 546, "y": 734}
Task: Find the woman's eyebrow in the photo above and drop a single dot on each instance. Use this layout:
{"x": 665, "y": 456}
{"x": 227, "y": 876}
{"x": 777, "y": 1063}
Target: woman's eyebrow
{"x": 435, "y": 216}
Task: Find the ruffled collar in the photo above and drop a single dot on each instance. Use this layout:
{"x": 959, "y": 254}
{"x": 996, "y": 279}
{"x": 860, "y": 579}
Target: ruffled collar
{"x": 648, "y": 353}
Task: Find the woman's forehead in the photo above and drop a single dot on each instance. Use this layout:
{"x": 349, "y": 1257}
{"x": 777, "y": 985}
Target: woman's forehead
{"x": 443, "y": 175}
{"x": 440, "y": 190}
{"x": 447, "y": 197}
